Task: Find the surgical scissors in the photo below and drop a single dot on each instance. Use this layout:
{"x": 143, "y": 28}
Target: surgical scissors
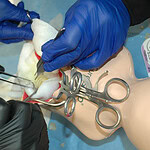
{"x": 75, "y": 89}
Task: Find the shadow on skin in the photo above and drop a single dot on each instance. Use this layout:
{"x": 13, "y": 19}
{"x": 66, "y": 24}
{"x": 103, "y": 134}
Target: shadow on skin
{"x": 124, "y": 139}
{"x": 69, "y": 129}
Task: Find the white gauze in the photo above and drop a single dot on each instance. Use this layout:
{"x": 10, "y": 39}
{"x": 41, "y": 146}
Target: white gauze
{"x": 15, "y": 2}
{"x": 48, "y": 82}
{"x": 43, "y": 32}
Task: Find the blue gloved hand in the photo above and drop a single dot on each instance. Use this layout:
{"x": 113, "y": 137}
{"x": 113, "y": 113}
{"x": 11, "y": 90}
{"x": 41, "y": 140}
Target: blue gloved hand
{"x": 95, "y": 30}
{"x": 10, "y": 17}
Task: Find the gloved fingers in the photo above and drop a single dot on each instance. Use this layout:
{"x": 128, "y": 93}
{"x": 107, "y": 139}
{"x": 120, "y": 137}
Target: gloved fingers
{"x": 92, "y": 62}
{"x": 9, "y": 23}
{"x": 37, "y": 131}
{"x": 20, "y": 114}
{"x": 21, "y": 15}
{"x": 36, "y": 107}
{"x": 26, "y": 26}
{"x": 21, "y": 5}
{"x": 37, "y": 121}
{"x": 26, "y": 128}
{"x": 31, "y": 13}
{"x": 62, "y": 60}
{"x": 68, "y": 41}
{"x": 44, "y": 141}
{"x": 37, "y": 116}
{"x": 10, "y": 33}
{"x": 15, "y": 24}
{"x": 11, "y": 41}
{"x": 18, "y": 13}
{"x": 4, "y": 112}
{"x": 8, "y": 39}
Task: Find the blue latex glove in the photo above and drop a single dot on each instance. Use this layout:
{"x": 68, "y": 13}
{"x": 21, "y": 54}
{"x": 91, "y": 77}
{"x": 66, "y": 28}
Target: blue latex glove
{"x": 10, "y": 17}
{"x": 95, "y": 30}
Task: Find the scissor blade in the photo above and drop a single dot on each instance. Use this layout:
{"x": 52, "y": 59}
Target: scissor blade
{"x": 40, "y": 68}
{"x": 60, "y": 32}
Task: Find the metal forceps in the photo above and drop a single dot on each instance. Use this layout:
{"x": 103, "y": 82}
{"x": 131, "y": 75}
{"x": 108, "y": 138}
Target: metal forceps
{"x": 20, "y": 81}
{"x": 65, "y": 89}
{"x": 100, "y": 98}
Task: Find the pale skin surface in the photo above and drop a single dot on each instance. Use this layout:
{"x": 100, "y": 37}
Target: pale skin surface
{"x": 134, "y": 111}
